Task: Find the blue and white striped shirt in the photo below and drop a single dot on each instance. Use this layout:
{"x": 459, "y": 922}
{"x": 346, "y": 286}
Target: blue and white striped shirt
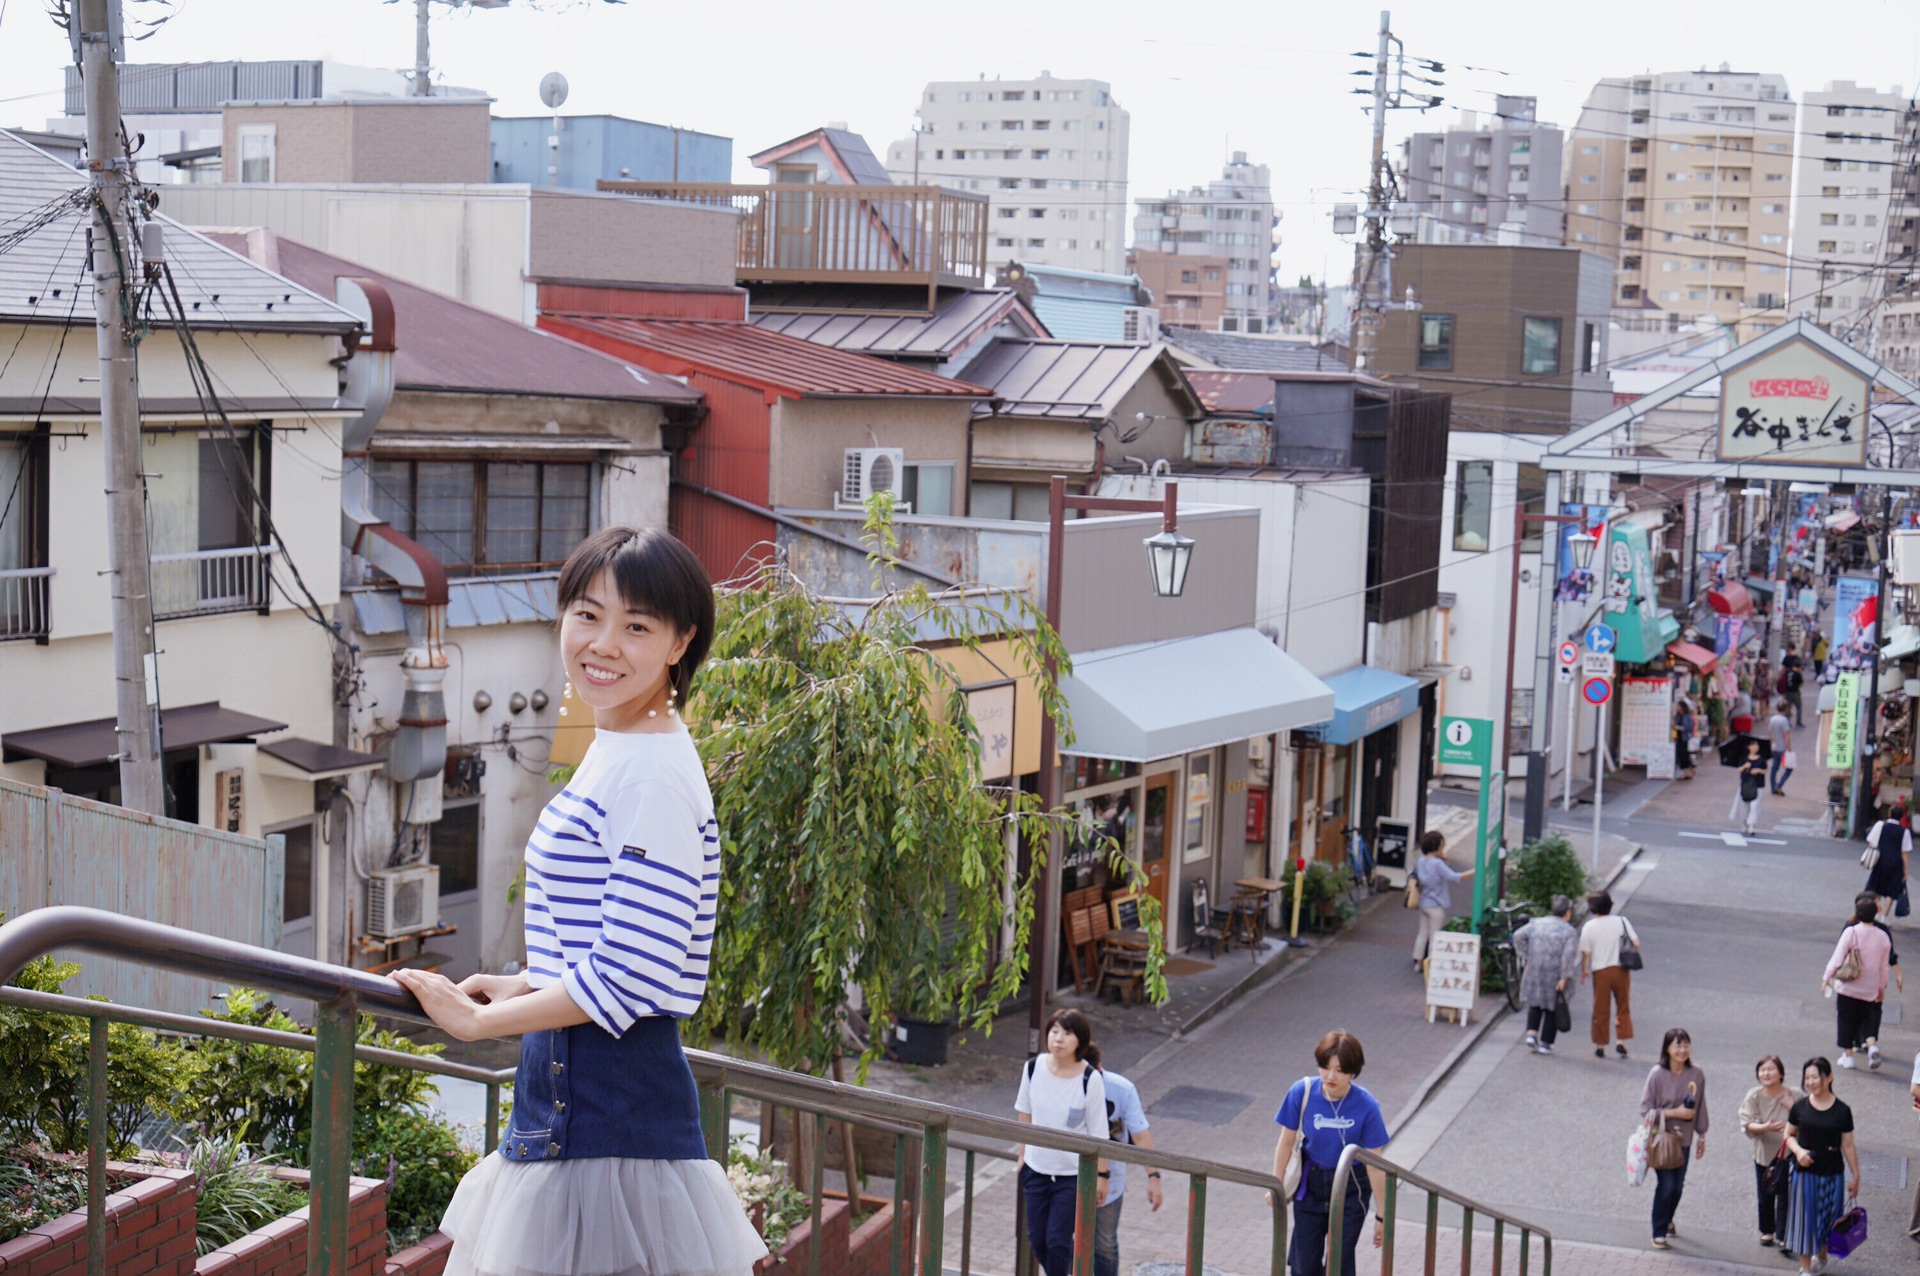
{"x": 623, "y": 878}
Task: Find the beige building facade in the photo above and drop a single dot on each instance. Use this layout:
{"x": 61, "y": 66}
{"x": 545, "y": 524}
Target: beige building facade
{"x": 1231, "y": 217}
{"x": 1050, "y": 154}
{"x": 1684, "y": 180}
{"x": 1843, "y": 201}
{"x": 407, "y": 139}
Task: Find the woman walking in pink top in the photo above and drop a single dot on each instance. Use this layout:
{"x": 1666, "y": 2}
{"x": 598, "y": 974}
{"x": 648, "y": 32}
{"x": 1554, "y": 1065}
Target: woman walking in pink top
{"x": 1857, "y": 972}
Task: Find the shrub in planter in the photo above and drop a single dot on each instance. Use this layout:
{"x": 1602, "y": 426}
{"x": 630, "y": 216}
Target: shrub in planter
{"x": 36, "y": 1187}
{"x": 423, "y": 1162}
{"x": 766, "y": 1191}
{"x": 238, "y": 1194}
{"x": 1547, "y": 868}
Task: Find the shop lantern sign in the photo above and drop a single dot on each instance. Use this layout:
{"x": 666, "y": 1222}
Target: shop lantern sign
{"x": 1794, "y": 405}
{"x": 992, "y": 706}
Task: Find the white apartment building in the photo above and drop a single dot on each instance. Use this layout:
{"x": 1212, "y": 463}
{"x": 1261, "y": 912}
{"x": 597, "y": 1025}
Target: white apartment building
{"x": 1493, "y": 172}
{"x": 1843, "y": 189}
{"x": 1231, "y": 217}
{"x": 1685, "y": 179}
{"x": 1050, "y": 154}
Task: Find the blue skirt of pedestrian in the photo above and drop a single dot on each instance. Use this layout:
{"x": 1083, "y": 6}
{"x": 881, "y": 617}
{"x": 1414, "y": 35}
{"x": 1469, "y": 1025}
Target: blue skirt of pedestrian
{"x": 1814, "y": 1203}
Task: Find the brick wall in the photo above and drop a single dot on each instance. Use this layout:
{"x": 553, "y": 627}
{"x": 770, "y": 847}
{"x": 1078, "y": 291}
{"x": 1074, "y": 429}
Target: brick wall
{"x": 863, "y": 1251}
{"x": 149, "y": 1230}
{"x": 280, "y": 1248}
{"x": 428, "y": 1258}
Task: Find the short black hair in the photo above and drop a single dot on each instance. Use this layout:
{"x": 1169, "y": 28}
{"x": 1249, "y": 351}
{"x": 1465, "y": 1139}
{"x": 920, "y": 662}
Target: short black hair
{"x": 655, "y": 574}
{"x": 1866, "y": 907}
{"x": 1600, "y": 903}
{"x": 1343, "y": 1046}
{"x": 1076, "y": 1023}
{"x": 1432, "y": 841}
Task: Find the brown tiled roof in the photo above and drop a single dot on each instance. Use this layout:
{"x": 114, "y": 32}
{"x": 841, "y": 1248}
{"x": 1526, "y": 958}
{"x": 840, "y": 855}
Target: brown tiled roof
{"x": 770, "y": 360}
{"x": 443, "y": 344}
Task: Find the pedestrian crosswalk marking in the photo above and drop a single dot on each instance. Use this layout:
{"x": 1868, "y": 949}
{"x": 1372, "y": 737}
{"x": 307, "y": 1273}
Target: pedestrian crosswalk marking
{"x": 1730, "y": 838}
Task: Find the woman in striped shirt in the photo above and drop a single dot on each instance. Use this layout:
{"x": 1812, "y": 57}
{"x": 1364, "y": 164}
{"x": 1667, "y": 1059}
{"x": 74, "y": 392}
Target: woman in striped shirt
{"x": 603, "y": 1168}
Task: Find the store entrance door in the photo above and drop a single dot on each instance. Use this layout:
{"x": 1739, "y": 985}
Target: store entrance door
{"x": 1157, "y": 831}
{"x": 1379, "y": 756}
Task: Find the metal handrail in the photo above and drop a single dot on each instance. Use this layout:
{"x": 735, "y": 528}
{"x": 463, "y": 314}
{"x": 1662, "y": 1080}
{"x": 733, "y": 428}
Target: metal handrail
{"x": 923, "y": 1131}
{"x": 1386, "y": 1210}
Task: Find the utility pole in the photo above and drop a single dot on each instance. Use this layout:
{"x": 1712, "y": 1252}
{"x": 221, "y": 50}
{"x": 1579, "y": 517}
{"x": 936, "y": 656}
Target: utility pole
{"x": 94, "y": 28}
{"x": 1372, "y": 280}
{"x": 422, "y": 71}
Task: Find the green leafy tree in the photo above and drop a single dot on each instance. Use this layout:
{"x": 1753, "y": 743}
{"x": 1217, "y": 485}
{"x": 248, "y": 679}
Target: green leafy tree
{"x": 845, "y": 772}
{"x": 1547, "y": 868}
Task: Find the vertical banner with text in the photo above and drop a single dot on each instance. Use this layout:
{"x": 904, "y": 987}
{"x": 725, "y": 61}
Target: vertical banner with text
{"x": 1841, "y": 737}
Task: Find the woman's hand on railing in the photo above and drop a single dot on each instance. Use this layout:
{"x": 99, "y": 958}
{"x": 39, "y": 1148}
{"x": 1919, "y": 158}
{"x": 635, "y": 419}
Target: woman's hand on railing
{"x": 452, "y": 1010}
{"x": 492, "y": 989}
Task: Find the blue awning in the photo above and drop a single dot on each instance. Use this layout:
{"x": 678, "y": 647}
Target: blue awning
{"x": 1158, "y": 699}
{"x": 1366, "y": 699}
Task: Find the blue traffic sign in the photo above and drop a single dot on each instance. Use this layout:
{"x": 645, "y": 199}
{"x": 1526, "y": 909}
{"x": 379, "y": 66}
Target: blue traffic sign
{"x": 1600, "y": 639}
{"x": 1597, "y": 690}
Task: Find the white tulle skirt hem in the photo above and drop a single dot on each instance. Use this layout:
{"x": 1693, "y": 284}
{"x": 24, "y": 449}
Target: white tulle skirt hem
{"x": 599, "y": 1216}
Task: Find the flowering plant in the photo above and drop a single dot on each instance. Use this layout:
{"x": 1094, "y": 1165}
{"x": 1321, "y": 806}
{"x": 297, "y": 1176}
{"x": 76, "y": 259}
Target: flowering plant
{"x": 766, "y": 1190}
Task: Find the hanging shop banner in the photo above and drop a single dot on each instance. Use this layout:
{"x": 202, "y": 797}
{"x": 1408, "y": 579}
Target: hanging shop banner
{"x": 1629, "y": 605}
{"x": 1856, "y": 605}
{"x": 1726, "y": 634}
{"x": 1795, "y": 404}
{"x": 1846, "y": 722}
{"x": 1576, "y": 584}
{"x": 1646, "y": 720}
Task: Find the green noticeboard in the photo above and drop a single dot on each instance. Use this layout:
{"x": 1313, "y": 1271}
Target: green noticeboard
{"x": 1846, "y": 722}
{"x": 1466, "y": 742}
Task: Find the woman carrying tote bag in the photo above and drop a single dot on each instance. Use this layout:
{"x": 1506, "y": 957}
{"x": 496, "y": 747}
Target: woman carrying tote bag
{"x": 1610, "y": 953}
{"x": 1675, "y": 1097}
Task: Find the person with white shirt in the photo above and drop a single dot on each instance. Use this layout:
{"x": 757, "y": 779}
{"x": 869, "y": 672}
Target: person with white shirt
{"x": 1059, "y": 1090}
{"x": 1126, "y": 1123}
{"x": 1600, "y": 943}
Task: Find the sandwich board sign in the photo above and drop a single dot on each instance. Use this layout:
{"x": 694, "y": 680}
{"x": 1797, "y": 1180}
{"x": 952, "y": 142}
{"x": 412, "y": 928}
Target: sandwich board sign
{"x": 1453, "y": 974}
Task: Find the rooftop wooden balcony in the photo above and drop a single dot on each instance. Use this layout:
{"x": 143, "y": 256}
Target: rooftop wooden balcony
{"x": 817, "y": 233}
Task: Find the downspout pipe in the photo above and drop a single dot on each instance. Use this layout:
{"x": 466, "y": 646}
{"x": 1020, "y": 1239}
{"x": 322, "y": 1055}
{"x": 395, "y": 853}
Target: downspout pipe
{"x": 419, "y": 751}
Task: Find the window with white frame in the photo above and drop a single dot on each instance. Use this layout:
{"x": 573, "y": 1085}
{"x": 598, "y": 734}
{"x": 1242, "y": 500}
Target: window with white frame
{"x": 256, "y": 142}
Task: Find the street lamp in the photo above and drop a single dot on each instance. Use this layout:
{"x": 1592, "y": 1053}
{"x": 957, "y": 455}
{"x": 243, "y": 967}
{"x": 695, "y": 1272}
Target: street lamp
{"x": 1582, "y": 544}
{"x": 1168, "y": 555}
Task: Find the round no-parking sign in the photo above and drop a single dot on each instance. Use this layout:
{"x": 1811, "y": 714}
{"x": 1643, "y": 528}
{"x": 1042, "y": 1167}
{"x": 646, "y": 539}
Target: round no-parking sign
{"x": 1597, "y": 690}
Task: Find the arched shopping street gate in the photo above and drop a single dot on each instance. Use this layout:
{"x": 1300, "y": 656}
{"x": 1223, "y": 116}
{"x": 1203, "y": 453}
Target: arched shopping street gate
{"x": 1796, "y": 404}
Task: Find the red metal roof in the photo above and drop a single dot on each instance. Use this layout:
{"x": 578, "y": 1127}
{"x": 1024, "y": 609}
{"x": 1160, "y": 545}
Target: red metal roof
{"x": 1241, "y": 393}
{"x": 770, "y": 360}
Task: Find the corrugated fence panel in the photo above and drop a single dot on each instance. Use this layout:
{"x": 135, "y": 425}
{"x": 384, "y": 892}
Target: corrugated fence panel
{"x": 57, "y": 849}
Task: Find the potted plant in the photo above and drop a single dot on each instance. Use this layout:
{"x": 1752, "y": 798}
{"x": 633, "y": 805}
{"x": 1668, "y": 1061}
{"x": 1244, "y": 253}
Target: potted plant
{"x": 1324, "y": 885}
{"x": 923, "y": 1009}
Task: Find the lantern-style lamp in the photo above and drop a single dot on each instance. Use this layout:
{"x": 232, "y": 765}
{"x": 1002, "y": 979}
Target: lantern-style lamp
{"x": 1168, "y": 554}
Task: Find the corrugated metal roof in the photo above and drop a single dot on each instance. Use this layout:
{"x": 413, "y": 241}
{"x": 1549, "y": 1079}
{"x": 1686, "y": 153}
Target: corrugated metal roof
{"x": 1066, "y": 379}
{"x": 471, "y": 601}
{"x": 221, "y": 289}
{"x": 771, "y": 360}
{"x": 1240, "y": 393}
{"x": 961, "y": 319}
{"x": 449, "y": 346}
{"x": 1236, "y": 351}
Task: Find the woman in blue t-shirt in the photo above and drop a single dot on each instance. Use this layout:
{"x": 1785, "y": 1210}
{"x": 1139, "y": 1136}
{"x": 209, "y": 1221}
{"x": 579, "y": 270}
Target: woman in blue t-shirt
{"x": 1329, "y": 1112}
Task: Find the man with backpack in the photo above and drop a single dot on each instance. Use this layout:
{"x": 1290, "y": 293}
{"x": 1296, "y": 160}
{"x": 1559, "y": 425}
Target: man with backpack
{"x": 1126, "y": 1123}
{"x": 1792, "y": 679}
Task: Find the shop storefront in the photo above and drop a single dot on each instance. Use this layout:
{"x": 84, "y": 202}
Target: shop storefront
{"x": 1347, "y": 772}
{"x": 1160, "y": 763}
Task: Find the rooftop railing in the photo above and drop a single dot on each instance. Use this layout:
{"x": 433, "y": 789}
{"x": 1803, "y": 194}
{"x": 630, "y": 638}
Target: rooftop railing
{"x": 927, "y": 1136}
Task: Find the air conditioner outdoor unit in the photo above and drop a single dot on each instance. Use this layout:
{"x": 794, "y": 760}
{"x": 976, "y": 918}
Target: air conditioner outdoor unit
{"x": 868, "y": 470}
{"x": 403, "y": 901}
{"x": 1905, "y": 564}
{"x": 1139, "y": 323}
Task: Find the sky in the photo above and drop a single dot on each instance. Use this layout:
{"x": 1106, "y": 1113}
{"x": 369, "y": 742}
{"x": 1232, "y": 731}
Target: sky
{"x": 1273, "y": 79}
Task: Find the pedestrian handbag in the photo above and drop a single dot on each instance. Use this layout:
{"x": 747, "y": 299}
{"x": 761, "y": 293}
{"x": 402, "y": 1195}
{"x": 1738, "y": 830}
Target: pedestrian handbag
{"x": 1902, "y": 906}
{"x": 1562, "y": 1013}
{"x": 1780, "y": 1171}
{"x": 1870, "y": 858}
{"x": 1630, "y": 958}
{"x": 1637, "y": 1152}
{"x": 1849, "y": 968}
{"x": 1413, "y": 891}
{"x": 1667, "y": 1149}
{"x": 1293, "y": 1180}
{"x": 1788, "y": 760}
{"x": 1849, "y": 1232}
{"x": 1749, "y": 786}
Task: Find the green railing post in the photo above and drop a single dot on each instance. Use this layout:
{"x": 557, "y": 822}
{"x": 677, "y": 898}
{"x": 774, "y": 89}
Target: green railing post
{"x": 1546, "y": 1256}
{"x": 1499, "y": 1243}
{"x": 97, "y": 1112}
{"x": 818, "y": 1188}
{"x": 933, "y": 1200}
{"x": 1389, "y": 1209}
{"x": 1279, "y": 1264}
{"x": 331, "y": 1148}
{"x": 1466, "y": 1240}
{"x": 493, "y": 1115}
{"x": 899, "y": 1200}
{"x": 1196, "y": 1223}
{"x": 1085, "y": 1213}
{"x": 1433, "y": 1234}
{"x": 966, "y": 1221}
{"x": 1526, "y": 1237}
{"x": 713, "y": 1119}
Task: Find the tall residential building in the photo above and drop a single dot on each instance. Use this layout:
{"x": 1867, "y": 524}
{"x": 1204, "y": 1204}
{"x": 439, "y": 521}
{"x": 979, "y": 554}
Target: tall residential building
{"x": 1050, "y": 154}
{"x": 1230, "y": 217}
{"x": 1488, "y": 174}
{"x": 1844, "y": 197}
{"x": 1684, "y": 180}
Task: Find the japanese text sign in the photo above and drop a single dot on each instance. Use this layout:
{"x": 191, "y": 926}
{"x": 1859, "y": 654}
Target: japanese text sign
{"x": 1794, "y": 405}
{"x": 1846, "y": 722}
{"x": 1453, "y": 971}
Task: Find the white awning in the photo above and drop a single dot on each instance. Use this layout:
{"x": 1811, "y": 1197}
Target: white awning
{"x": 1157, "y": 699}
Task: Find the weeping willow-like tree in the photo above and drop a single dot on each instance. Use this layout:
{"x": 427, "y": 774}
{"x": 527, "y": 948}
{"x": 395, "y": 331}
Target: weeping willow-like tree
{"x": 862, "y": 850}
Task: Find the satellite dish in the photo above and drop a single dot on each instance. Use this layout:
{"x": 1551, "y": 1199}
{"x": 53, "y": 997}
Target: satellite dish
{"x": 553, "y": 89}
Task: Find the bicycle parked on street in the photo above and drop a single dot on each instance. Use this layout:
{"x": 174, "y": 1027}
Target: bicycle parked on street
{"x": 1509, "y": 917}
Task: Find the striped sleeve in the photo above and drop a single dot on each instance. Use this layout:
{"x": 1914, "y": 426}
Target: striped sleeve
{"x": 649, "y": 913}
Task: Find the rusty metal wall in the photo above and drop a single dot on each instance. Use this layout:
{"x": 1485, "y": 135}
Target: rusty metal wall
{"x": 59, "y": 849}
